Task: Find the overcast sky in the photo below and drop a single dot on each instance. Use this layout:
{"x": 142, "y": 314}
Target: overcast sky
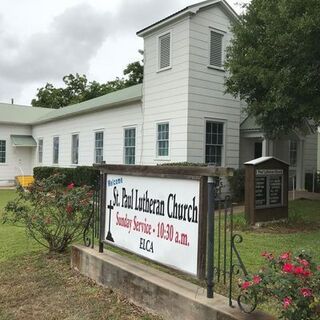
{"x": 43, "y": 40}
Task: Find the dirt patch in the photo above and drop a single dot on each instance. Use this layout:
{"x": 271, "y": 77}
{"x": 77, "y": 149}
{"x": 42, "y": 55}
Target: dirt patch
{"x": 39, "y": 286}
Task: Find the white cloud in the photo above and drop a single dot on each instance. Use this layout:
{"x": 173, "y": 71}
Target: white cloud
{"x": 42, "y": 42}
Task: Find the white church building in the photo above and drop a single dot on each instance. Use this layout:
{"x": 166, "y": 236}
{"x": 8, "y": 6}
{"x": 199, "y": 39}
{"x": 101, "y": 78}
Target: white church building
{"x": 180, "y": 113}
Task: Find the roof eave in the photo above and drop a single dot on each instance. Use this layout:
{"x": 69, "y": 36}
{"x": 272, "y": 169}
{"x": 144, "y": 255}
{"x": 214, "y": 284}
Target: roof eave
{"x": 164, "y": 22}
{"x": 188, "y": 11}
{"x": 16, "y": 123}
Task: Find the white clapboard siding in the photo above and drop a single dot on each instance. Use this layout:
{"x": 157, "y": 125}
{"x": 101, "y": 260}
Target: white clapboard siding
{"x": 310, "y": 152}
{"x": 18, "y": 160}
{"x": 165, "y": 93}
{"x": 207, "y": 98}
{"x": 111, "y": 121}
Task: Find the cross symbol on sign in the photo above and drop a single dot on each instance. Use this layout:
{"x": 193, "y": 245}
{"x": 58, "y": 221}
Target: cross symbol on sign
{"x": 109, "y": 235}
{"x": 110, "y": 206}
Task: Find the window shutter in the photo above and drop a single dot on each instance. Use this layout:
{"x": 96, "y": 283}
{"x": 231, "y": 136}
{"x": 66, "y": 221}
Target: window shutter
{"x": 164, "y": 51}
{"x": 216, "y": 49}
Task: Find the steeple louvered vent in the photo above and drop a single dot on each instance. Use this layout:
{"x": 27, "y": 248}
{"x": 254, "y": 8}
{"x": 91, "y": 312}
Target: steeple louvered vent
{"x": 164, "y": 51}
{"x": 216, "y": 49}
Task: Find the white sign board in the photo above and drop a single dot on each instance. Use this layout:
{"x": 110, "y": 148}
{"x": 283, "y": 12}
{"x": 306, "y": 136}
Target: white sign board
{"x": 156, "y": 218}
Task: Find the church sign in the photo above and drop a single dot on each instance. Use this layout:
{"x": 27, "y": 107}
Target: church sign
{"x": 266, "y": 190}
{"x": 159, "y": 213}
{"x": 157, "y": 218}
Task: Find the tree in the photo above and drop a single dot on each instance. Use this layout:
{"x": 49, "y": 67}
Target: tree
{"x": 77, "y": 88}
{"x": 274, "y": 63}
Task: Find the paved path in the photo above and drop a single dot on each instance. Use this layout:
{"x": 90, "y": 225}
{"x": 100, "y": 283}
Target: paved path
{"x": 304, "y": 195}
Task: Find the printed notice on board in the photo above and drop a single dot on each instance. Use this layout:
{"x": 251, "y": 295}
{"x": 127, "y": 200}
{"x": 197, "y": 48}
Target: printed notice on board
{"x": 156, "y": 218}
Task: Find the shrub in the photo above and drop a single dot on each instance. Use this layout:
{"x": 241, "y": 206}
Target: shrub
{"x": 293, "y": 281}
{"x": 53, "y": 214}
{"x": 236, "y": 183}
{"x": 82, "y": 175}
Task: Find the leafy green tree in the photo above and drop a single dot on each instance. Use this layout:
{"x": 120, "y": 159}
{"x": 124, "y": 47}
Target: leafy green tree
{"x": 274, "y": 63}
{"x": 78, "y": 89}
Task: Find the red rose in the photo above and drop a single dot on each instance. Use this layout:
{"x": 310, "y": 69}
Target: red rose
{"x": 288, "y": 268}
{"x": 246, "y": 285}
{"x": 256, "y": 279}
{"x": 70, "y": 186}
{"x": 298, "y": 270}
{"x": 306, "y": 292}
{"x": 307, "y": 273}
{"x": 287, "y": 301}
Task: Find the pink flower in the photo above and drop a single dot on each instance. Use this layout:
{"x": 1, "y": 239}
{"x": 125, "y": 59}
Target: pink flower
{"x": 285, "y": 256}
{"x": 287, "y": 301}
{"x": 288, "y": 268}
{"x": 318, "y": 268}
{"x": 306, "y": 292}
{"x": 256, "y": 279}
{"x": 304, "y": 262}
{"x": 298, "y": 271}
{"x": 307, "y": 273}
{"x": 246, "y": 285}
{"x": 70, "y": 186}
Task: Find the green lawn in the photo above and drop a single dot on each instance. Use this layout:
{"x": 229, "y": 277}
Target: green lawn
{"x": 14, "y": 241}
{"x": 35, "y": 278}
{"x": 302, "y": 233}
{"x": 35, "y": 285}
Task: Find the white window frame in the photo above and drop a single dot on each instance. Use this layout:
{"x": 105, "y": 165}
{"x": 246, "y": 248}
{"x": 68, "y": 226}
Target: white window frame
{"x": 78, "y": 153}
{"x": 296, "y": 150}
{"x": 223, "y": 33}
{"x": 225, "y": 128}
{"x": 53, "y": 149}
{"x": 158, "y": 51}
{"x": 40, "y": 139}
{"x": 124, "y": 146}
{"x": 158, "y": 157}
{"x": 5, "y": 152}
{"x": 95, "y": 147}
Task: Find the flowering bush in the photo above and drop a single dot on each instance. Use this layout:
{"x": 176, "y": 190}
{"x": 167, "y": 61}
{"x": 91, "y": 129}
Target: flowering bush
{"x": 293, "y": 280}
{"x": 52, "y": 214}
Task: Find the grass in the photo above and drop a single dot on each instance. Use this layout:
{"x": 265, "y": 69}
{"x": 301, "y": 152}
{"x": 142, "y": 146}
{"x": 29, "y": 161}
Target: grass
{"x": 41, "y": 284}
{"x": 301, "y": 232}
{"x": 35, "y": 285}
{"x": 14, "y": 241}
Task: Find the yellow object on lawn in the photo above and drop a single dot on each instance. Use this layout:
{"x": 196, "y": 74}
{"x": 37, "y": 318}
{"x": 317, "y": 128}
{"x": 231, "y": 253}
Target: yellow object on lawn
{"x": 24, "y": 181}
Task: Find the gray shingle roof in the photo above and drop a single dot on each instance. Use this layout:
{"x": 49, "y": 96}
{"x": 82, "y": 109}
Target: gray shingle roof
{"x": 250, "y": 124}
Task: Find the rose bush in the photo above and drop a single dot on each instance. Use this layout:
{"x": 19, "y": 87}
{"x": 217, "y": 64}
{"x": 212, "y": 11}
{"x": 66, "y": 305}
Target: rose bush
{"x": 54, "y": 215}
{"x": 292, "y": 280}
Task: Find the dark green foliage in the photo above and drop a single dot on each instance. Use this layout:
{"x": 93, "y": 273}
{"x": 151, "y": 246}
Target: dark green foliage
{"x": 274, "y": 63}
{"x": 82, "y": 175}
{"x": 309, "y": 184}
{"x": 77, "y": 89}
{"x": 52, "y": 214}
{"x": 236, "y": 183}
